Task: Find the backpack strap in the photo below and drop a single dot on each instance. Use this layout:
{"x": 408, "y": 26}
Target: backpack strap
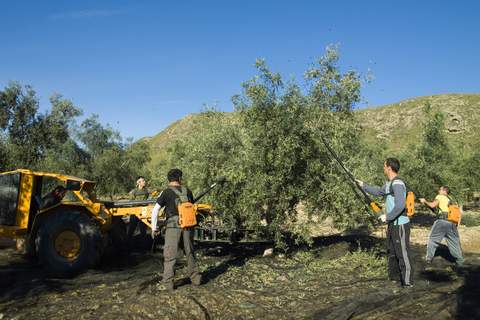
{"x": 390, "y": 193}
{"x": 450, "y": 201}
{"x": 390, "y": 190}
{"x": 182, "y": 196}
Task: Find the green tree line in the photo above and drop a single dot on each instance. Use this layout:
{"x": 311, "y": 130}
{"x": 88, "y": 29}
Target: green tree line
{"x": 54, "y": 141}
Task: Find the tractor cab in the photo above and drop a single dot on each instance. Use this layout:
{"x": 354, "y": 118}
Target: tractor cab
{"x": 22, "y": 192}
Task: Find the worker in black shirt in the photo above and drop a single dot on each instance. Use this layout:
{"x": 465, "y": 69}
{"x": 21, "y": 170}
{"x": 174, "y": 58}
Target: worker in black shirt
{"x": 139, "y": 193}
{"x": 169, "y": 198}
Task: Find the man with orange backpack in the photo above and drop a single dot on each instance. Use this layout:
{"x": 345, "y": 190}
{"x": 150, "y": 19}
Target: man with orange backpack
{"x": 398, "y": 231}
{"x": 175, "y": 198}
{"x": 443, "y": 228}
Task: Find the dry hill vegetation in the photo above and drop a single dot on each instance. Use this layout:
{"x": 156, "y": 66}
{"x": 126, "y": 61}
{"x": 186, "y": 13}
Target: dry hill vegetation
{"x": 393, "y": 125}
{"x": 399, "y": 124}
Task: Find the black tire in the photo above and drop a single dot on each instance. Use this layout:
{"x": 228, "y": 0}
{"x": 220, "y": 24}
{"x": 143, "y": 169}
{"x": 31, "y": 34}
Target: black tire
{"x": 88, "y": 233}
{"x": 117, "y": 238}
{"x": 30, "y": 253}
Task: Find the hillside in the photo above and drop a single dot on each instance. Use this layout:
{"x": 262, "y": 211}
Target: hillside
{"x": 399, "y": 125}
{"x": 395, "y": 125}
{"x": 160, "y": 143}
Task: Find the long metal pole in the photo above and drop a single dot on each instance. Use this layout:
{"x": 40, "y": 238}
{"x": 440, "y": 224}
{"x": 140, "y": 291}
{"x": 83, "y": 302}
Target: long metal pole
{"x": 368, "y": 200}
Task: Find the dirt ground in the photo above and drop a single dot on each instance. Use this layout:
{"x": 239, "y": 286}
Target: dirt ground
{"x": 339, "y": 277}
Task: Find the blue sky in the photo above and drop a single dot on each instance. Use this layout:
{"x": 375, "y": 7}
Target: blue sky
{"x": 140, "y": 65}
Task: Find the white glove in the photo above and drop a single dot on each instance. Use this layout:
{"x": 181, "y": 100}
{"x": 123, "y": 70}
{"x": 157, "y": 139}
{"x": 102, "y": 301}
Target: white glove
{"x": 383, "y": 217}
{"x": 155, "y": 233}
{"x": 359, "y": 182}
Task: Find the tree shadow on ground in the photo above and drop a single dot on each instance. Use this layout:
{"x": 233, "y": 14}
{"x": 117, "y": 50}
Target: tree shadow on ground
{"x": 238, "y": 255}
{"x": 353, "y": 242}
{"x": 443, "y": 252}
{"x": 22, "y": 277}
{"x": 468, "y": 295}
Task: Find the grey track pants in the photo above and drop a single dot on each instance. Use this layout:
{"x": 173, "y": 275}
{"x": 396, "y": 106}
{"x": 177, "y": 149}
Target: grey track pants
{"x": 172, "y": 238}
{"x": 400, "y": 262}
{"x": 448, "y": 230}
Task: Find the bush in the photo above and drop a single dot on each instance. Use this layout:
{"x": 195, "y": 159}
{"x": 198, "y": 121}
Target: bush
{"x": 52, "y": 141}
{"x": 471, "y": 219}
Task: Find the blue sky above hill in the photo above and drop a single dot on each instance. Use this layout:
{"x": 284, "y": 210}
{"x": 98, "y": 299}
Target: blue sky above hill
{"x": 141, "y": 65}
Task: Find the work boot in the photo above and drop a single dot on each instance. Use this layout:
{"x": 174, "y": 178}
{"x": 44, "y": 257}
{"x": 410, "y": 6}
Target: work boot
{"x": 196, "y": 279}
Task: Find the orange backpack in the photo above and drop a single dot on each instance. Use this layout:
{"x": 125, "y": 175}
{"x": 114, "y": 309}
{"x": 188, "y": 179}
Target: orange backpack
{"x": 409, "y": 200}
{"x": 410, "y": 203}
{"x": 454, "y": 213}
{"x": 187, "y": 213}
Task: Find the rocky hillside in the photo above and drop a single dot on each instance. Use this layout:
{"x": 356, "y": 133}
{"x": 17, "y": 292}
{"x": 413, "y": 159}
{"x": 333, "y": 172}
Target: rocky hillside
{"x": 396, "y": 125}
{"x": 399, "y": 125}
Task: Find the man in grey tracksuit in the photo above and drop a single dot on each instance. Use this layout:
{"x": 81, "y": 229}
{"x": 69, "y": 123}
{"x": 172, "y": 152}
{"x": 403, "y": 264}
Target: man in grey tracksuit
{"x": 400, "y": 264}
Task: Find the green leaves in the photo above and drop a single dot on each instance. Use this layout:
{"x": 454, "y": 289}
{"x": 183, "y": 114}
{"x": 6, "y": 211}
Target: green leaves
{"x": 271, "y": 153}
{"x": 426, "y": 164}
{"x": 52, "y": 141}
{"x": 435, "y": 162}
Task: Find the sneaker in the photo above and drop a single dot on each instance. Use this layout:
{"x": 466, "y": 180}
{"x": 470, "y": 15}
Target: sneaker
{"x": 428, "y": 264}
{"x": 196, "y": 279}
{"x": 407, "y": 285}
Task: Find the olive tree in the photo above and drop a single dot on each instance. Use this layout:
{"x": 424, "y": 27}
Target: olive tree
{"x": 271, "y": 151}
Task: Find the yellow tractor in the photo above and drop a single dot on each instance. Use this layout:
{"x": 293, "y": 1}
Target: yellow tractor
{"x": 70, "y": 235}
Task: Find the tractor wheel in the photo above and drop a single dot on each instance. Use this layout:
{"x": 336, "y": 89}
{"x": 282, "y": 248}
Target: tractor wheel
{"x": 68, "y": 242}
{"x": 117, "y": 238}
